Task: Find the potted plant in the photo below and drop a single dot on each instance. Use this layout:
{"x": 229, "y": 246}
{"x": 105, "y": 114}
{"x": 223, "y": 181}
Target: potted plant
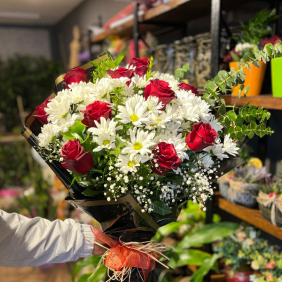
{"x": 237, "y": 251}
{"x": 270, "y": 200}
{"x": 268, "y": 266}
{"x": 243, "y": 184}
{"x": 250, "y": 37}
{"x": 276, "y": 66}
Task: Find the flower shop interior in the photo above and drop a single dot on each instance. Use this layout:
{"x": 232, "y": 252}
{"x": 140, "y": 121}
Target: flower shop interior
{"x": 226, "y": 53}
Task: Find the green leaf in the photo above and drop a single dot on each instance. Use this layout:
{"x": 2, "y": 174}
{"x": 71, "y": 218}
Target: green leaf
{"x": 118, "y": 60}
{"x": 245, "y": 129}
{"x": 99, "y": 275}
{"x": 90, "y": 192}
{"x": 91, "y": 260}
{"x": 251, "y": 134}
{"x": 246, "y": 90}
{"x": 75, "y": 132}
{"x": 234, "y": 57}
{"x": 192, "y": 257}
{"x": 207, "y": 234}
{"x": 160, "y": 207}
{"x": 84, "y": 278}
{"x": 222, "y": 109}
{"x": 207, "y": 265}
{"x": 169, "y": 228}
{"x": 232, "y": 115}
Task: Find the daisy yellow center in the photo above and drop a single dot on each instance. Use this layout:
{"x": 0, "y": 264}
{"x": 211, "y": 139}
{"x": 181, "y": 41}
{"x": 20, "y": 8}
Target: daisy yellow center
{"x": 64, "y": 115}
{"x": 134, "y": 118}
{"x": 131, "y": 163}
{"x": 158, "y": 120}
{"x": 137, "y": 146}
{"x": 106, "y": 142}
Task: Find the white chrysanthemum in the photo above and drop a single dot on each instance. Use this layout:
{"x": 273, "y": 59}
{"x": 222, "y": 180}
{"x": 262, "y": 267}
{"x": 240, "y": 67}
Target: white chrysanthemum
{"x": 153, "y": 104}
{"x": 215, "y": 124}
{"x": 173, "y": 83}
{"x": 59, "y": 106}
{"x": 217, "y": 149}
{"x": 46, "y": 135}
{"x": 171, "y": 137}
{"x": 172, "y": 126}
{"x": 173, "y": 112}
{"x": 104, "y": 141}
{"x": 206, "y": 160}
{"x": 81, "y": 94}
{"x": 108, "y": 126}
{"x": 63, "y": 124}
{"x": 189, "y": 112}
{"x": 128, "y": 165}
{"x": 141, "y": 142}
{"x": 186, "y": 126}
{"x": 158, "y": 120}
{"x": 184, "y": 97}
{"x": 139, "y": 81}
{"x": 203, "y": 110}
{"x": 229, "y": 146}
{"x": 135, "y": 111}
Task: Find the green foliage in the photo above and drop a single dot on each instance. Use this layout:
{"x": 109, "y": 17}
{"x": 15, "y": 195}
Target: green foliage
{"x": 14, "y": 169}
{"x": 30, "y": 78}
{"x": 103, "y": 65}
{"x": 244, "y": 121}
{"x": 181, "y": 73}
{"x": 256, "y": 29}
{"x": 149, "y": 71}
{"x": 160, "y": 207}
{"x": 75, "y": 132}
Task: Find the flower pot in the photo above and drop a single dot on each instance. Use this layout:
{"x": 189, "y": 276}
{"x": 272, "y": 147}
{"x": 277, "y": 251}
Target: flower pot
{"x": 276, "y": 77}
{"x": 243, "y": 276}
{"x": 254, "y": 78}
{"x": 243, "y": 194}
{"x": 266, "y": 212}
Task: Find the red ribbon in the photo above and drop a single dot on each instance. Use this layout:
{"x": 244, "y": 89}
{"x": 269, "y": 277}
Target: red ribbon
{"x": 123, "y": 256}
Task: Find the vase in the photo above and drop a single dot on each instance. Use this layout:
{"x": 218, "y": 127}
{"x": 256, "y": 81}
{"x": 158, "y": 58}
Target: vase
{"x": 238, "y": 276}
{"x": 266, "y": 212}
{"x": 276, "y": 77}
{"x": 254, "y": 78}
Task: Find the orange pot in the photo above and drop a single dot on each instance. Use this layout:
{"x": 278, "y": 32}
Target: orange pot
{"x": 254, "y": 78}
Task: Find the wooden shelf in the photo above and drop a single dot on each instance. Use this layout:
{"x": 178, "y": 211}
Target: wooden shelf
{"x": 252, "y": 216}
{"x": 11, "y": 138}
{"x": 266, "y": 101}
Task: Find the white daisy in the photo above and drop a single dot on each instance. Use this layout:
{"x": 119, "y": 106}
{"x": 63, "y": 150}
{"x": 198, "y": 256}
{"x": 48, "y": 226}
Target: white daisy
{"x": 153, "y": 104}
{"x": 158, "y": 120}
{"x": 218, "y": 150}
{"x": 135, "y": 111}
{"x": 108, "y": 126}
{"x": 139, "y": 81}
{"x": 229, "y": 146}
{"x": 207, "y": 160}
{"x": 104, "y": 141}
{"x": 141, "y": 142}
{"x": 128, "y": 165}
{"x": 63, "y": 124}
{"x": 215, "y": 124}
{"x": 46, "y": 136}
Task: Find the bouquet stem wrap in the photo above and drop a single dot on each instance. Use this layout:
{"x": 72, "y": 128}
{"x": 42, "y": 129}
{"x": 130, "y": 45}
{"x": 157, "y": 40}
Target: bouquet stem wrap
{"x": 122, "y": 257}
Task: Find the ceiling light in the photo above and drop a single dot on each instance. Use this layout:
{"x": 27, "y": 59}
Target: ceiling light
{"x": 19, "y": 15}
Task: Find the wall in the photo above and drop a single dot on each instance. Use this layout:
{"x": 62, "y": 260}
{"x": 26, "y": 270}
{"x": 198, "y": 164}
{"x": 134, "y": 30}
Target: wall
{"x": 24, "y": 40}
{"x": 84, "y": 15}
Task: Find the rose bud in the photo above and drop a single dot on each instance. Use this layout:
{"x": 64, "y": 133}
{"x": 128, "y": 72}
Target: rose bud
{"x": 95, "y": 111}
{"x": 75, "y": 76}
{"x": 76, "y": 160}
{"x": 41, "y": 114}
{"x": 202, "y": 136}
{"x": 166, "y": 158}
{"x": 141, "y": 65}
{"x": 160, "y": 89}
{"x": 121, "y": 72}
{"x": 187, "y": 87}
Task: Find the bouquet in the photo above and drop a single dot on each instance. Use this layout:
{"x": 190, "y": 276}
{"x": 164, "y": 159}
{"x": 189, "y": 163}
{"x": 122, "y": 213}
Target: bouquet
{"x": 133, "y": 145}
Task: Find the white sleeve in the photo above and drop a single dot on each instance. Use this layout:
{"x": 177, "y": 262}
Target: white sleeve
{"x": 31, "y": 242}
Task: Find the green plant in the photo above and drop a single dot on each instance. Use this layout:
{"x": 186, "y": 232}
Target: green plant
{"x": 28, "y": 77}
{"x": 239, "y": 248}
{"x": 271, "y": 185}
{"x": 257, "y": 27}
{"x": 14, "y": 169}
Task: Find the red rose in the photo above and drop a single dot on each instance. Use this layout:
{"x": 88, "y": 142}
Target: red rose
{"x": 76, "y": 75}
{"x": 161, "y": 89}
{"x": 202, "y": 136}
{"x": 141, "y": 65}
{"x": 166, "y": 158}
{"x": 121, "y": 72}
{"x": 274, "y": 39}
{"x": 187, "y": 87}
{"x": 95, "y": 111}
{"x": 41, "y": 114}
{"x": 76, "y": 160}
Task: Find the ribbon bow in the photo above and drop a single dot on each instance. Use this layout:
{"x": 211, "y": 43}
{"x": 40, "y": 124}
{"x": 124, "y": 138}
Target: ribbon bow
{"x": 122, "y": 257}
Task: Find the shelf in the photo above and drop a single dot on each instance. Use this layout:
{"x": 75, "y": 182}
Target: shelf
{"x": 252, "y": 216}
{"x": 11, "y": 138}
{"x": 266, "y": 101}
